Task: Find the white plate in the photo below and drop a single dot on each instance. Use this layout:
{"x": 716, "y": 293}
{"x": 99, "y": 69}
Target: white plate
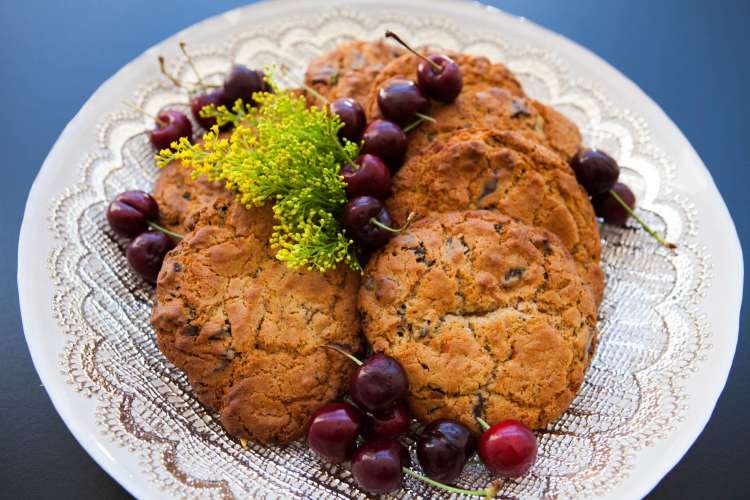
{"x": 669, "y": 326}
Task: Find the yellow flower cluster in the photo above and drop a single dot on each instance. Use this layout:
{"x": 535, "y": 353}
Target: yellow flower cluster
{"x": 283, "y": 153}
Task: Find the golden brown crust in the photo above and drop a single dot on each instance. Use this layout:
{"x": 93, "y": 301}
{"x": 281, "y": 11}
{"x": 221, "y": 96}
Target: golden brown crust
{"x": 488, "y": 316}
{"x": 247, "y": 330}
{"x": 181, "y": 198}
{"x": 504, "y": 171}
{"x": 349, "y": 69}
{"x": 491, "y": 98}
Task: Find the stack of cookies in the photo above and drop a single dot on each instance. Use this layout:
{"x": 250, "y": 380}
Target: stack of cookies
{"x": 488, "y": 300}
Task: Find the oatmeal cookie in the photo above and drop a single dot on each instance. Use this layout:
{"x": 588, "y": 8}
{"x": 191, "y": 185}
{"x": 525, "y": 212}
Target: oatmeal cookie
{"x": 505, "y": 171}
{"x": 248, "y": 331}
{"x": 181, "y": 198}
{"x": 487, "y": 315}
{"x": 491, "y": 98}
{"x": 348, "y": 69}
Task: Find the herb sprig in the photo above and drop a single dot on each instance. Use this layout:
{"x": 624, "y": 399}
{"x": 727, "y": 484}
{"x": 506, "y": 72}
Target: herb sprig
{"x": 281, "y": 152}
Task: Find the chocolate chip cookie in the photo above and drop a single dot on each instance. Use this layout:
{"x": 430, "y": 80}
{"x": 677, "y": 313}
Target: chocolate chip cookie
{"x": 491, "y": 98}
{"x": 349, "y": 69}
{"x": 504, "y": 171}
{"x": 247, "y": 330}
{"x": 488, "y": 316}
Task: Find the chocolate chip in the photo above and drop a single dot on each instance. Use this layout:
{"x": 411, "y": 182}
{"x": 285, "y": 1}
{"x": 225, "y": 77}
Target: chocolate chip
{"x": 512, "y": 276}
{"x": 186, "y": 195}
{"x": 489, "y": 187}
{"x": 190, "y": 330}
{"x": 177, "y": 267}
{"x": 519, "y": 108}
{"x": 498, "y": 228}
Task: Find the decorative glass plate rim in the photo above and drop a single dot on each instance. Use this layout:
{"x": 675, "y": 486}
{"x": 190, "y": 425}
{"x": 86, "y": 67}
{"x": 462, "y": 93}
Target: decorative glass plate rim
{"x": 27, "y": 297}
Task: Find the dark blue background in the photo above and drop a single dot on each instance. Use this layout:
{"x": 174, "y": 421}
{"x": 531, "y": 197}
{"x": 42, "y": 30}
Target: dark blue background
{"x": 691, "y": 57}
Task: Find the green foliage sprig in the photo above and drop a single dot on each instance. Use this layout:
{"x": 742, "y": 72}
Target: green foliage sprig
{"x": 285, "y": 153}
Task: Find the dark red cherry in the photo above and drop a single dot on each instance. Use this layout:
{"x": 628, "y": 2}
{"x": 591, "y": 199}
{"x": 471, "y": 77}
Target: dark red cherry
{"x": 353, "y": 115}
{"x": 609, "y": 209}
{"x": 371, "y": 178}
{"x": 332, "y": 431}
{"x": 400, "y": 100}
{"x": 379, "y": 383}
{"x": 170, "y": 126}
{"x": 241, "y": 83}
{"x": 443, "y": 449}
{"x": 215, "y": 97}
{"x": 146, "y": 253}
{"x": 387, "y": 141}
{"x": 388, "y": 424}
{"x": 376, "y": 465}
{"x": 128, "y": 214}
{"x": 443, "y": 83}
{"x": 357, "y": 219}
{"x": 595, "y": 170}
{"x": 508, "y": 448}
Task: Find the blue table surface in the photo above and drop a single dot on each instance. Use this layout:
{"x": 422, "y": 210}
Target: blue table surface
{"x": 691, "y": 57}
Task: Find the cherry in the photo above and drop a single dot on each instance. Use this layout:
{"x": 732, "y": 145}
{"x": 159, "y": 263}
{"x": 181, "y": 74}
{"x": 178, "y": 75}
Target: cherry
{"x": 130, "y": 212}
{"x": 367, "y": 221}
{"x": 200, "y": 101}
{"x": 438, "y": 75}
{"x": 241, "y": 83}
{"x": 379, "y": 383}
{"x": 332, "y": 431}
{"x": 371, "y": 178}
{"x": 443, "y": 449}
{"x": 508, "y": 448}
{"x": 387, "y": 141}
{"x": 377, "y": 465}
{"x": 608, "y": 208}
{"x": 402, "y": 101}
{"x": 170, "y": 126}
{"x": 146, "y": 253}
{"x": 595, "y": 170}
{"x": 389, "y": 424}
{"x": 353, "y": 115}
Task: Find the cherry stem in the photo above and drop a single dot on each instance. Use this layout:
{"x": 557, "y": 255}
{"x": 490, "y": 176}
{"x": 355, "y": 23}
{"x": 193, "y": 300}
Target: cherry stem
{"x": 156, "y": 119}
{"x": 164, "y": 230}
{"x": 420, "y": 119}
{"x": 171, "y": 78}
{"x": 409, "y": 220}
{"x": 483, "y": 424}
{"x": 192, "y": 65}
{"x": 435, "y": 66}
{"x": 341, "y": 351}
{"x": 643, "y": 224}
{"x": 487, "y": 492}
{"x": 303, "y": 85}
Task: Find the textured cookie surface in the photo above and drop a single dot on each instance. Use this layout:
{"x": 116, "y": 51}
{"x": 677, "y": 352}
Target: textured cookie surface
{"x": 491, "y": 98}
{"x": 488, "y": 316}
{"x": 349, "y": 69}
{"x": 181, "y": 198}
{"x": 248, "y": 331}
{"x": 484, "y": 169}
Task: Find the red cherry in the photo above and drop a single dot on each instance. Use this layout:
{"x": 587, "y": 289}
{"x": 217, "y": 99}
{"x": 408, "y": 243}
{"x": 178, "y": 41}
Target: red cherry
{"x": 377, "y": 465}
{"x": 508, "y": 448}
{"x": 372, "y": 178}
{"x": 389, "y": 424}
{"x": 444, "y": 82}
{"x": 353, "y": 117}
{"x": 197, "y": 103}
{"x": 170, "y": 127}
{"x": 379, "y": 383}
{"x": 387, "y": 141}
{"x": 607, "y": 207}
{"x": 332, "y": 431}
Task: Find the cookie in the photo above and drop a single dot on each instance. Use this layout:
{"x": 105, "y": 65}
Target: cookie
{"x": 248, "y": 331}
{"x": 504, "y": 171}
{"x": 491, "y": 98}
{"x": 349, "y": 69}
{"x": 181, "y": 198}
{"x": 488, "y": 316}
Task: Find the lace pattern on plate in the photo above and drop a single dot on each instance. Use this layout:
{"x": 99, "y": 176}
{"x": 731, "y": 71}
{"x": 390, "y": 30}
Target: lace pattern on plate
{"x": 651, "y": 335}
